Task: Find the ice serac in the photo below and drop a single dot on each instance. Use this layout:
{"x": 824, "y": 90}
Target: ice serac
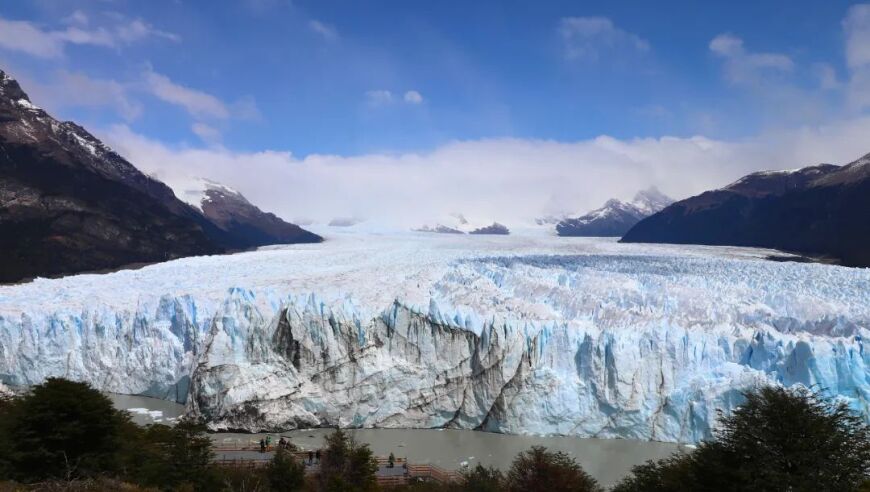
{"x": 532, "y": 336}
{"x": 406, "y": 369}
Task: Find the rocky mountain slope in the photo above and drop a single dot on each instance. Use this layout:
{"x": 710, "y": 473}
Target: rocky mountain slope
{"x": 69, "y": 203}
{"x": 493, "y": 229}
{"x": 247, "y": 225}
{"x": 819, "y": 210}
{"x": 616, "y": 217}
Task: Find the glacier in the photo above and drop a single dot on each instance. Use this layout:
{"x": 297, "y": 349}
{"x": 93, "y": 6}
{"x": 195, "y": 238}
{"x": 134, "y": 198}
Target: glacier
{"x": 525, "y": 334}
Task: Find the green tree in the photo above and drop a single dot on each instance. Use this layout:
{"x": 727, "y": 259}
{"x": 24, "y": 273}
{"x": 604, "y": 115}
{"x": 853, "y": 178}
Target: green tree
{"x": 481, "y": 479}
{"x": 346, "y": 466}
{"x": 168, "y": 457}
{"x": 779, "y": 439}
{"x": 540, "y": 470}
{"x": 60, "y": 429}
{"x": 285, "y": 473}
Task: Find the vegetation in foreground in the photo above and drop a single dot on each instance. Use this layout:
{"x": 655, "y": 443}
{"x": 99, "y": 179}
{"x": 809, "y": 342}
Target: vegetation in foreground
{"x": 66, "y": 436}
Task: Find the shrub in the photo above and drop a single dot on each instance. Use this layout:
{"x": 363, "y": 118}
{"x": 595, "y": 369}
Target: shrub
{"x": 481, "y": 479}
{"x": 285, "y": 473}
{"x": 779, "y": 439}
{"x": 346, "y": 466}
{"x": 60, "y": 429}
{"x": 539, "y": 469}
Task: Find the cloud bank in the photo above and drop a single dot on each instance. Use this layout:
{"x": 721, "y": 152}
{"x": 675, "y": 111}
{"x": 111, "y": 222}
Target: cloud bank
{"x": 508, "y": 180}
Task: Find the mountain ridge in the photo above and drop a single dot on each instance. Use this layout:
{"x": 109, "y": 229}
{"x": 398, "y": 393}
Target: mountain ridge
{"x": 816, "y": 210}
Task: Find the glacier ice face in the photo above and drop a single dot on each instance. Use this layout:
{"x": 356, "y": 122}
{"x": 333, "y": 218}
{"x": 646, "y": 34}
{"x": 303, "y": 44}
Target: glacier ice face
{"x": 510, "y": 334}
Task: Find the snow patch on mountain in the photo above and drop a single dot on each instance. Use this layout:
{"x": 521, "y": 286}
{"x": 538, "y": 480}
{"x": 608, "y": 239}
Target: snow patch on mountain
{"x": 195, "y": 190}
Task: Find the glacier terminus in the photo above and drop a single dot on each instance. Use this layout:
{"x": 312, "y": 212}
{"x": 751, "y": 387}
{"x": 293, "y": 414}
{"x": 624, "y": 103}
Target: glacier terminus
{"x": 524, "y": 334}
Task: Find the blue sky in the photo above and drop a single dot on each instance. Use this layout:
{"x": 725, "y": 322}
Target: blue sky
{"x": 352, "y": 79}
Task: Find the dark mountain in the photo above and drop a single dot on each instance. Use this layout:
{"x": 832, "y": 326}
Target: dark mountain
{"x": 495, "y": 229}
{"x": 247, "y": 225}
{"x": 68, "y": 203}
{"x": 616, "y": 217}
{"x": 820, "y": 210}
{"x": 439, "y": 229}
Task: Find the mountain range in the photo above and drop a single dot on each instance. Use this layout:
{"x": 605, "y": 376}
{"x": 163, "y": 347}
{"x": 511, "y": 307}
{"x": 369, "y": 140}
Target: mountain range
{"x": 819, "y": 210}
{"x": 69, "y": 203}
{"x": 616, "y": 217}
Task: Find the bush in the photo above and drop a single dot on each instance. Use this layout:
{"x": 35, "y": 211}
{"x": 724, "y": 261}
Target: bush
{"x": 539, "y": 469}
{"x": 67, "y": 432}
{"x": 168, "y": 457}
{"x": 780, "y": 439}
{"x": 346, "y": 466}
{"x": 60, "y": 429}
{"x": 481, "y": 479}
{"x": 285, "y": 473}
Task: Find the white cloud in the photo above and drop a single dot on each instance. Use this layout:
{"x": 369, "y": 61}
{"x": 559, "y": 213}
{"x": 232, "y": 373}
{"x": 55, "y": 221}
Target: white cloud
{"x": 747, "y": 68}
{"x": 827, "y": 76}
{"x": 383, "y": 97}
{"x": 413, "y": 97}
{"x": 78, "y": 89}
{"x": 137, "y": 30}
{"x": 27, "y": 37}
{"x": 205, "y": 132}
{"x": 197, "y": 103}
{"x": 379, "y": 97}
{"x": 327, "y": 31}
{"x": 726, "y": 45}
{"x": 590, "y": 37}
{"x": 497, "y": 179}
{"x": 78, "y": 17}
{"x": 856, "y": 26}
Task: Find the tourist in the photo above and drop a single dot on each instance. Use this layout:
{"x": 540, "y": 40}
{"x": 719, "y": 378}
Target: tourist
{"x": 310, "y": 457}
{"x": 391, "y": 460}
{"x": 317, "y": 455}
{"x": 262, "y": 446}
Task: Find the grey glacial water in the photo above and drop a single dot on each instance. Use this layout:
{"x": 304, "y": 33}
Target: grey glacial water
{"x": 145, "y": 410}
{"x": 607, "y": 460}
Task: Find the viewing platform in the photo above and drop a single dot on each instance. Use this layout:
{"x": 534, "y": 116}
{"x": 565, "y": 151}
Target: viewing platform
{"x": 400, "y": 473}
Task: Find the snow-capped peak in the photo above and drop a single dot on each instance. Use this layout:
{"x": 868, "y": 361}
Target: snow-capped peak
{"x": 651, "y": 200}
{"x": 195, "y": 190}
{"x": 616, "y": 216}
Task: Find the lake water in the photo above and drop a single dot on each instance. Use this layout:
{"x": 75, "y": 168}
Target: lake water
{"x": 145, "y": 410}
{"x": 608, "y": 460}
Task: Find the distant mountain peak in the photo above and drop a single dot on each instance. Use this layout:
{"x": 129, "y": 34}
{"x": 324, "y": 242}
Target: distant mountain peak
{"x": 195, "y": 191}
{"x": 232, "y": 212}
{"x": 651, "y": 200}
{"x": 616, "y": 217}
{"x": 10, "y": 89}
